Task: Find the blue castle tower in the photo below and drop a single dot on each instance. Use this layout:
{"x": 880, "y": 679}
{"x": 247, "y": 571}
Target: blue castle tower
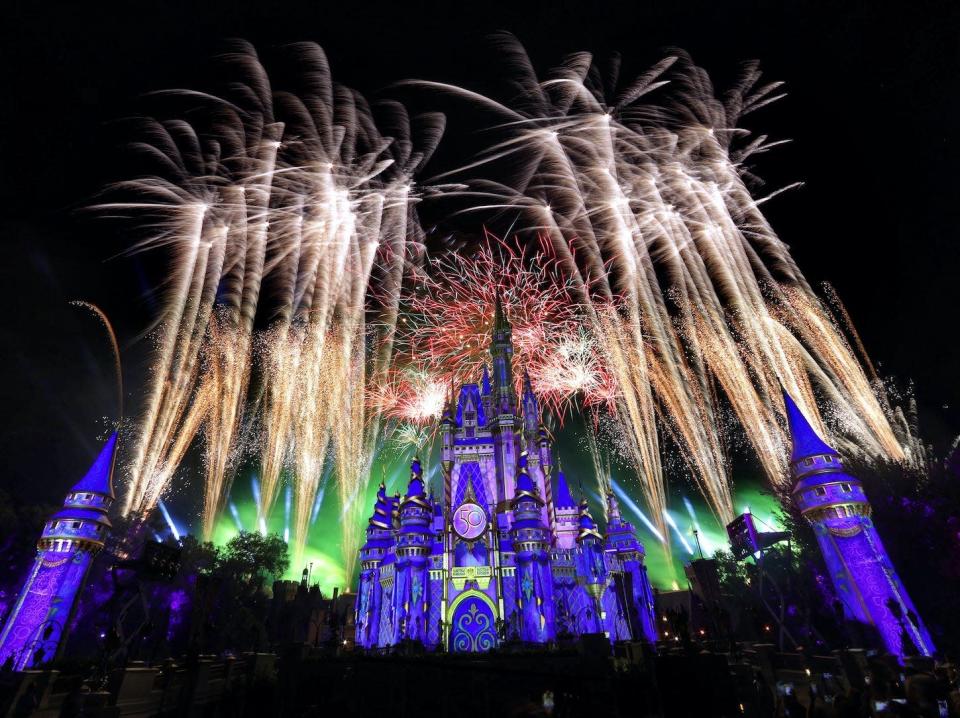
{"x": 531, "y": 545}
{"x": 836, "y": 506}
{"x": 34, "y": 632}
{"x": 495, "y": 558}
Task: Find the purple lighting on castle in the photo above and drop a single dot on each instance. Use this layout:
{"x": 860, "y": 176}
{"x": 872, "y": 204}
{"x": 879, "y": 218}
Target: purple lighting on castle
{"x": 34, "y": 632}
{"x": 498, "y": 556}
{"x": 836, "y": 506}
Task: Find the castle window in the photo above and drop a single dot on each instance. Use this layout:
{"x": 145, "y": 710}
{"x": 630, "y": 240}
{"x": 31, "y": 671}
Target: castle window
{"x": 808, "y": 461}
{"x": 845, "y": 488}
{"x": 820, "y": 491}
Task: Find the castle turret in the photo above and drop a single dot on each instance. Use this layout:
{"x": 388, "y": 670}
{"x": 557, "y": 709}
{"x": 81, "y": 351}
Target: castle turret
{"x": 369, "y": 593}
{"x": 34, "y": 632}
{"x": 531, "y": 544}
{"x": 837, "y": 508}
{"x": 632, "y": 583}
{"x": 592, "y": 569}
{"x": 414, "y": 543}
{"x": 567, "y": 514}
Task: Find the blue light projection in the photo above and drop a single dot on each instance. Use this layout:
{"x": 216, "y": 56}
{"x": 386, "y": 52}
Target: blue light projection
{"x": 34, "y": 632}
{"x": 836, "y": 505}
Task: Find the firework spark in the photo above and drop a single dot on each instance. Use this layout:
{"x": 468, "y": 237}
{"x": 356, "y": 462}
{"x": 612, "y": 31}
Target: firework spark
{"x": 653, "y": 290}
{"x": 303, "y": 195}
{"x": 683, "y": 283}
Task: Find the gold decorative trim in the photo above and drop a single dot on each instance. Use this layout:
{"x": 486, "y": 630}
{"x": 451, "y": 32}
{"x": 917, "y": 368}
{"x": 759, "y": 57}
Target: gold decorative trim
{"x": 461, "y": 574}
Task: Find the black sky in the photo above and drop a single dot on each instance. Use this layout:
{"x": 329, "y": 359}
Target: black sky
{"x": 872, "y": 111}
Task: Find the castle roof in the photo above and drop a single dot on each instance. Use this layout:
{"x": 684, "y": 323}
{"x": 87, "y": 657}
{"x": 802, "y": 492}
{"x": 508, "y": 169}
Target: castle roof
{"x": 524, "y": 482}
{"x": 485, "y": 382}
{"x": 564, "y": 499}
{"x": 470, "y": 394}
{"x": 382, "y": 509}
{"x": 613, "y": 507}
{"x": 525, "y": 487}
{"x": 416, "y": 492}
{"x": 588, "y": 527}
{"x": 806, "y": 441}
{"x": 99, "y": 478}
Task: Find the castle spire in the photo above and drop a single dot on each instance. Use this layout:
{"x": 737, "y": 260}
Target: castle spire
{"x": 564, "y": 498}
{"x": 382, "y": 510}
{"x": 500, "y": 323}
{"x": 806, "y": 441}
{"x": 613, "y": 508}
{"x": 35, "y": 628}
{"x": 416, "y": 491}
{"x": 836, "y": 505}
{"x": 525, "y": 486}
{"x": 99, "y": 478}
{"x": 501, "y": 355}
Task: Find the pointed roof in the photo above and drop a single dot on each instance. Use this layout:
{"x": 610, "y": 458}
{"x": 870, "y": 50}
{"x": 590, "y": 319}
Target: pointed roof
{"x": 588, "y": 527}
{"x": 613, "y": 507}
{"x": 524, "y": 482}
{"x": 416, "y": 492}
{"x": 806, "y": 441}
{"x": 470, "y": 398}
{"x": 382, "y": 509}
{"x": 564, "y": 498}
{"x": 500, "y": 323}
{"x": 485, "y": 382}
{"x": 415, "y": 487}
{"x": 525, "y": 488}
{"x": 99, "y": 478}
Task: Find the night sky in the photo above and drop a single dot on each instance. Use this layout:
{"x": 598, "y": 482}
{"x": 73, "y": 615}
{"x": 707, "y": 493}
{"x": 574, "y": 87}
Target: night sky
{"x": 872, "y": 109}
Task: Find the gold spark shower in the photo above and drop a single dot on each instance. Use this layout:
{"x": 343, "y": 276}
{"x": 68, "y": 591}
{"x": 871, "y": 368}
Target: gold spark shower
{"x": 302, "y": 222}
{"x": 684, "y": 284}
{"x": 305, "y": 322}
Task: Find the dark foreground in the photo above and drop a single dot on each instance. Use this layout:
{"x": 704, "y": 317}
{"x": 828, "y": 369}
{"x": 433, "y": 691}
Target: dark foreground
{"x": 691, "y": 681}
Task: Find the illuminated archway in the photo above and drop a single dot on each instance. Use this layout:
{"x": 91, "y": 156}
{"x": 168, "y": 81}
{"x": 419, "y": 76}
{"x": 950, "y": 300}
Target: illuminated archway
{"x": 472, "y": 620}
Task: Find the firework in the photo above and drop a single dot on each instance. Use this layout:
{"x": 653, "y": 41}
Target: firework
{"x": 684, "y": 285}
{"x": 301, "y": 194}
{"x": 446, "y": 328}
{"x": 650, "y": 291}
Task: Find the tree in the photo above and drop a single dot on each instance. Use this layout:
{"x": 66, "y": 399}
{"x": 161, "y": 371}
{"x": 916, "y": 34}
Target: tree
{"x": 251, "y": 558}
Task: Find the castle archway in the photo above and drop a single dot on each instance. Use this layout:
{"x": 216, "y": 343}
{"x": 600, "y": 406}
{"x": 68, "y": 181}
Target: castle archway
{"x": 472, "y": 621}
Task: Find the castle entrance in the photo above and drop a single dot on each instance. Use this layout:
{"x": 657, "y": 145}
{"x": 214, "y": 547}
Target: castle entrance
{"x": 472, "y": 621}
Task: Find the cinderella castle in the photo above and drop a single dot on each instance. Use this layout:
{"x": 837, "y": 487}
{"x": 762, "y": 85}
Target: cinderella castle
{"x": 502, "y": 557}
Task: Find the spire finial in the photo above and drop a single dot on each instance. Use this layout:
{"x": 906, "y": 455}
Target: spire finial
{"x": 500, "y": 323}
